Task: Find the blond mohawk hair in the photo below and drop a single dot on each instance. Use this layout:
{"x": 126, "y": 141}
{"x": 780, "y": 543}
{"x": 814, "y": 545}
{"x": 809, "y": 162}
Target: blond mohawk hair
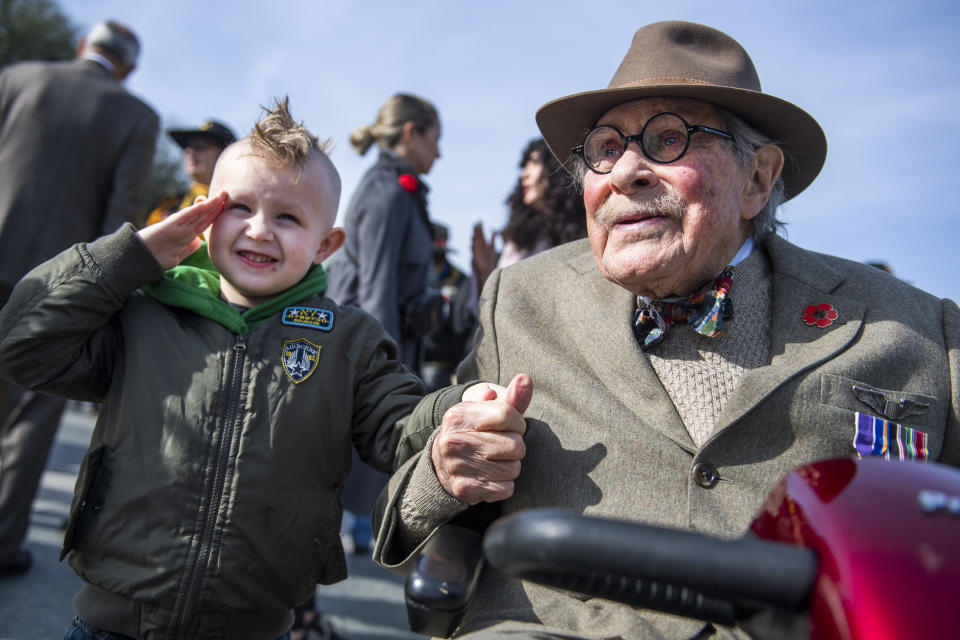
{"x": 283, "y": 140}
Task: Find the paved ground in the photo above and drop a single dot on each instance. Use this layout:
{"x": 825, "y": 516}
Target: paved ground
{"x": 366, "y": 606}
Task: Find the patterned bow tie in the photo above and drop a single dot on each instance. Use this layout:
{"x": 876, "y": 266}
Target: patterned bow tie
{"x": 705, "y": 311}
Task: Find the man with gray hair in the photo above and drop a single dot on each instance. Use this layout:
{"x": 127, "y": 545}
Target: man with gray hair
{"x": 684, "y": 358}
{"x": 75, "y": 155}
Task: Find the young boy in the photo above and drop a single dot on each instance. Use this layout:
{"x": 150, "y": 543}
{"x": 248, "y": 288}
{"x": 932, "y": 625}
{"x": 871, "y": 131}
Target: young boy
{"x": 208, "y": 504}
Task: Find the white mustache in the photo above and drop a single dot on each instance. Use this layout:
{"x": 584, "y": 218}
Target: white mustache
{"x": 670, "y": 204}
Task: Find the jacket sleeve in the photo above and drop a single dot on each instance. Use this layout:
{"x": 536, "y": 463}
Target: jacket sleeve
{"x": 58, "y": 331}
{"x": 383, "y": 227}
{"x": 951, "y": 438}
{"x": 392, "y": 420}
{"x": 131, "y": 176}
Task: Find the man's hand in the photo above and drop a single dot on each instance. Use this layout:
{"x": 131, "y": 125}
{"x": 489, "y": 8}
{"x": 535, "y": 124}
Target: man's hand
{"x": 177, "y": 236}
{"x": 478, "y": 449}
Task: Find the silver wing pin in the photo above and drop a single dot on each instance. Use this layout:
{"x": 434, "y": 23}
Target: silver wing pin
{"x": 870, "y": 397}
{"x": 890, "y": 409}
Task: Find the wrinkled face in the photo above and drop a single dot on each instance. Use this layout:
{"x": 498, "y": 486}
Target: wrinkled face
{"x": 533, "y": 181}
{"x": 665, "y": 229}
{"x": 274, "y": 227}
{"x": 424, "y": 148}
{"x": 199, "y": 158}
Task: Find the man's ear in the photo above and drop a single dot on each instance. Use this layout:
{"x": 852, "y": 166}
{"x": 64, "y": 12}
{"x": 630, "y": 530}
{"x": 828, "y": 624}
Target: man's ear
{"x": 767, "y": 165}
{"x": 330, "y": 244}
{"x": 121, "y": 72}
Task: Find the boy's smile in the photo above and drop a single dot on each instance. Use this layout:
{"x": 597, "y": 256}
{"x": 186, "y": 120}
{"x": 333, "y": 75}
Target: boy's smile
{"x": 276, "y": 224}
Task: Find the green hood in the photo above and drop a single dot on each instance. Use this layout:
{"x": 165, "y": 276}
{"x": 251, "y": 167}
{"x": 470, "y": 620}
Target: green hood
{"x": 195, "y": 284}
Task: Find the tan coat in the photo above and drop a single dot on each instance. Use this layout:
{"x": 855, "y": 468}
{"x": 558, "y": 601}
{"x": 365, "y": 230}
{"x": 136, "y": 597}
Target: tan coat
{"x": 604, "y": 438}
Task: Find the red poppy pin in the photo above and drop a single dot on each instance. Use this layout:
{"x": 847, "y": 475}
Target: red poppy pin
{"x": 821, "y": 315}
{"x": 408, "y": 182}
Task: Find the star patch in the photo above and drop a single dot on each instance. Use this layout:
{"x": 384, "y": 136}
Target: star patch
{"x": 300, "y": 358}
{"x": 310, "y": 317}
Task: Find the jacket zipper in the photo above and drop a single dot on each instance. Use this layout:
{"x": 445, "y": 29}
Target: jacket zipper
{"x": 197, "y": 573}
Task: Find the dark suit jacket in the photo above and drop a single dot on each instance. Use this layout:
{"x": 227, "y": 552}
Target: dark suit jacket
{"x": 604, "y": 438}
{"x": 75, "y": 155}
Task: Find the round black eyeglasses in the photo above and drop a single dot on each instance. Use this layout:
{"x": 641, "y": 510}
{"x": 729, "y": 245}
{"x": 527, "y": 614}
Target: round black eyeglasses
{"x": 664, "y": 139}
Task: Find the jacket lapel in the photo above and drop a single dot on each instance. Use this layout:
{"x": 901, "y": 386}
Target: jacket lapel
{"x": 615, "y": 357}
{"x": 800, "y": 279}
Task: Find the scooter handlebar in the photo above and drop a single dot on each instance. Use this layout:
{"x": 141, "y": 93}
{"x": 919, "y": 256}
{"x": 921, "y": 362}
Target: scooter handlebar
{"x": 676, "y": 571}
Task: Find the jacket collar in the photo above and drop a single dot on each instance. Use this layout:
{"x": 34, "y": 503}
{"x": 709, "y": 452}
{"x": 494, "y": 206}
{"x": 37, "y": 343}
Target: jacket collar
{"x": 800, "y": 278}
{"x": 94, "y": 65}
{"x": 604, "y": 312}
{"x": 399, "y": 164}
{"x": 100, "y": 59}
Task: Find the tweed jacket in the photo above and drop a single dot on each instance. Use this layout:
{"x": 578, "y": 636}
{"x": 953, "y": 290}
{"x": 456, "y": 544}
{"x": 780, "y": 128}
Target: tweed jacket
{"x": 603, "y": 437}
{"x": 75, "y": 153}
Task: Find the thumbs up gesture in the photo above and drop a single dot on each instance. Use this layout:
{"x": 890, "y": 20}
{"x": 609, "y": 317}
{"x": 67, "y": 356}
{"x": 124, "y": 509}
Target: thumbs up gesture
{"x": 479, "y": 446}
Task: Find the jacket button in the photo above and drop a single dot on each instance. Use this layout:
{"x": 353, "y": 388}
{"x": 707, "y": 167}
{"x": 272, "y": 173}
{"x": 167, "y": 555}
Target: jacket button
{"x": 705, "y": 475}
{"x": 96, "y": 508}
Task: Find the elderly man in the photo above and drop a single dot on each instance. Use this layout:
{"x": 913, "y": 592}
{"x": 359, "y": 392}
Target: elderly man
{"x": 75, "y": 154}
{"x": 684, "y": 358}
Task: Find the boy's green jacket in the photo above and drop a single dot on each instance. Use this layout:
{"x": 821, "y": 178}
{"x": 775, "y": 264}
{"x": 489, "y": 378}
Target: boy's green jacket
{"x": 208, "y": 504}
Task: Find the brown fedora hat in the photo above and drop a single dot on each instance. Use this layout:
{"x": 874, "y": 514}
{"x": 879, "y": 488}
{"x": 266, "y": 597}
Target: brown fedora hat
{"x": 688, "y": 60}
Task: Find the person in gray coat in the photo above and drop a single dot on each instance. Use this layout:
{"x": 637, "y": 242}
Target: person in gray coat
{"x": 654, "y": 398}
{"x": 387, "y": 259}
{"x": 75, "y": 155}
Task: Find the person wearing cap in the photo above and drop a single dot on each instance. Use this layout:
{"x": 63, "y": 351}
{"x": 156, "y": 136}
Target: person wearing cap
{"x": 684, "y": 357}
{"x": 76, "y": 150}
{"x": 201, "y": 148}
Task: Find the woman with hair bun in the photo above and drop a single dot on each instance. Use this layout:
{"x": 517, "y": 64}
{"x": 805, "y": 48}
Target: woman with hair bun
{"x": 385, "y": 262}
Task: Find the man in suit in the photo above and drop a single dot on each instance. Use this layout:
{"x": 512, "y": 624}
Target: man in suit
{"x": 75, "y": 155}
{"x": 684, "y": 357}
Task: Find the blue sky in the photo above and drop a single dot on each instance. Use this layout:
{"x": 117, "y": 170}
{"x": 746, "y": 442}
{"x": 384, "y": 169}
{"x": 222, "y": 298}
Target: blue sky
{"x": 882, "y": 79}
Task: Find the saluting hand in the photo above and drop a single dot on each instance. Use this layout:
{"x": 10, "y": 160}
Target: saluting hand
{"x": 177, "y": 236}
{"x": 479, "y": 446}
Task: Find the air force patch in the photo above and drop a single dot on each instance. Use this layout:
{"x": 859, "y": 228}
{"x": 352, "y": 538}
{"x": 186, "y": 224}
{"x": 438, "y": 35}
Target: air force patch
{"x": 300, "y": 358}
{"x": 310, "y": 317}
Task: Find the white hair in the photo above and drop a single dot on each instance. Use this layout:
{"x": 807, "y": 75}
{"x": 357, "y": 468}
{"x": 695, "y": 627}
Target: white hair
{"x": 115, "y": 40}
{"x": 746, "y": 141}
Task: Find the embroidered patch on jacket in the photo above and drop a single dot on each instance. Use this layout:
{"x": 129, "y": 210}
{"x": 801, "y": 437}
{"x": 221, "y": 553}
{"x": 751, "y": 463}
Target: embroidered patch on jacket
{"x": 309, "y": 317}
{"x": 878, "y": 437}
{"x": 300, "y": 358}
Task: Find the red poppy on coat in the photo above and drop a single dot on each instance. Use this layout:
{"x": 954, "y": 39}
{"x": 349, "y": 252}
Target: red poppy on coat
{"x": 821, "y": 315}
{"x": 408, "y": 182}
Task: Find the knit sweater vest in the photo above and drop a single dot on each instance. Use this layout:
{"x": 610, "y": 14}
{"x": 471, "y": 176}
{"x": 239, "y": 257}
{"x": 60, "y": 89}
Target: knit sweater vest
{"x": 698, "y": 372}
